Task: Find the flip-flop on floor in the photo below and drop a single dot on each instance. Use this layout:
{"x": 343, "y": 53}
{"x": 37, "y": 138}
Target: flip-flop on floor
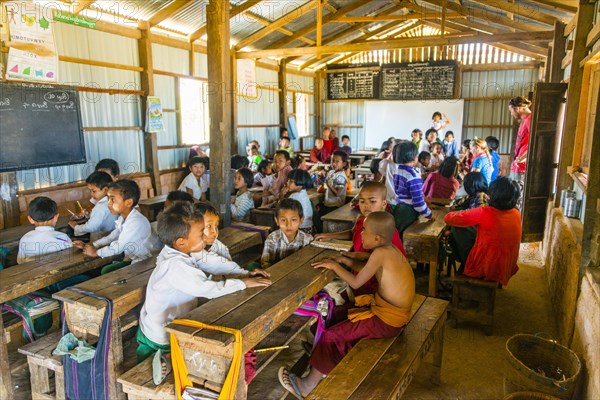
{"x": 288, "y": 381}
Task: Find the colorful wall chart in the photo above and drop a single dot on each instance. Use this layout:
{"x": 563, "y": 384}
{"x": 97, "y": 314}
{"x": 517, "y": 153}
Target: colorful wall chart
{"x": 32, "y": 54}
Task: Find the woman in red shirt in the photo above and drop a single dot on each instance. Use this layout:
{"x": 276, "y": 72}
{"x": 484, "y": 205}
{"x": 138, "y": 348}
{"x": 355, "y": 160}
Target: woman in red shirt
{"x": 442, "y": 184}
{"x": 496, "y": 251}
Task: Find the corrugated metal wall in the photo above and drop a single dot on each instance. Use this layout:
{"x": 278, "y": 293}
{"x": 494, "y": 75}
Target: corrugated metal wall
{"x": 487, "y": 113}
{"x": 97, "y": 109}
{"x": 347, "y": 113}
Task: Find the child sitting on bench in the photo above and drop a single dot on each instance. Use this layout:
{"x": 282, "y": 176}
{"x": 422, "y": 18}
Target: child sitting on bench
{"x": 132, "y": 234}
{"x": 288, "y": 238}
{"x": 43, "y": 213}
{"x": 176, "y": 283}
{"x": 371, "y": 198}
{"x": 381, "y": 315}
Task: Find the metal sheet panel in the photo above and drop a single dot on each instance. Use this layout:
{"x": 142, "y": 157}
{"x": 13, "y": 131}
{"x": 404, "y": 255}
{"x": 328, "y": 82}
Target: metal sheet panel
{"x": 170, "y": 59}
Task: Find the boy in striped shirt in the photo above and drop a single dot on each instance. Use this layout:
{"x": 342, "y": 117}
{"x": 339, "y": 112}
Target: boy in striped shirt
{"x": 408, "y": 186}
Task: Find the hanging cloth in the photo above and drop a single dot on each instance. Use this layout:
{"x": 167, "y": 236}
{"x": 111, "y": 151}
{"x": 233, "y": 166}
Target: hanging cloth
{"x": 180, "y": 370}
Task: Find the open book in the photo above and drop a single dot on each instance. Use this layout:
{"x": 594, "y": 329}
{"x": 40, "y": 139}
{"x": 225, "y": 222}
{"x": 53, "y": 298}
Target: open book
{"x": 337, "y": 245}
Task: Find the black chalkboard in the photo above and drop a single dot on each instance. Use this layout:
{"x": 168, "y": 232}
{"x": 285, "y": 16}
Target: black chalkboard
{"x": 420, "y": 80}
{"x": 359, "y": 83}
{"x": 40, "y": 126}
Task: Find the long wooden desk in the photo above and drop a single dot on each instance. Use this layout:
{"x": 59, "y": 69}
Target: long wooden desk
{"x": 341, "y": 219}
{"x": 255, "y": 311}
{"x": 422, "y": 243}
{"x": 151, "y": 206}
{"x": 10, "y": 237}
{"x": 25, "y": 278}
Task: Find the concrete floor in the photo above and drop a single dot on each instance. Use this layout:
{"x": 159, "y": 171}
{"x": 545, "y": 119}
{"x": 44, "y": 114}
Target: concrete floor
{"x": 473, "y": 363}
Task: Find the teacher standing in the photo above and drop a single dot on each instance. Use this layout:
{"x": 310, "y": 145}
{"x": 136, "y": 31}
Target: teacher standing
{"x": 519, "y": 109}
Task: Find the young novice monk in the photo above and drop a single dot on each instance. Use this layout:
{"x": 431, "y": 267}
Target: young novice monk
{"x": 288, "y": 238}
{"x": 177, "y": 282}
{"x": 43, "y": 213}
{"x": 380, "y": 315}
{"x": 100, "y": 221}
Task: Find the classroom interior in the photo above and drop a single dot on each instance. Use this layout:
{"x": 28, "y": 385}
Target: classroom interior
{"x": 272, "y": 66}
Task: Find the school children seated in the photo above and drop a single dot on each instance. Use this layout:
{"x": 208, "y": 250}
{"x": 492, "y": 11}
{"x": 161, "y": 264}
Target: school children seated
{"x": 430, "y": 138}
{"x": 436, "y": 156}
{"x": 288, "y": 239}
{"x": 132, "y": 234}
{"x": 495, "y": 252}
{"x": 239, "y": 161}
{"x": 379, "y": 315}
{"x": 493, "y": 144}
{"x": 482, "y": 160}
{"x": 318, "y": 154}
{"x": 416, "y": 136}
{"x": 177, "y": 282}
{"x": 43, "y": 213}
{"x": 335, "y": 184}
{"x": 213, "y": 246}
{"x": 197, "y": 182}
{"x": 253, "y": 157}
{"x": 265, "y": 170}
{"x": 424, "y": 160}
{"x": 242, "y": 202}
{"x": 298, "y": 183}
{"x": 284, "y": 144}
{"x": 371, "y": 198}
{"x": 467, "y": 157}
{"x": 109, "y": 166}
{"x": 299, "y": 162}
{"x": 100, "y": 220}
{"x": 335, "y": 141}
{"x": 374, "y": 167}
{"x": 387, "y": 169}
{"x": 282, "y": 167}
{"x": 408, "y": 186}
{"x": 450, "y": 145}
{"x": 345, "y": 147}
{"x": 178, "y": 195}
{"x": 327, "y": 142}
{"x": 442, "y": 183}
{"x": 476, "y": 188}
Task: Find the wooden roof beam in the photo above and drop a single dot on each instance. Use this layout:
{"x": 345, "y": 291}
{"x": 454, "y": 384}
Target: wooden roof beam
{"x": 479, "y": 14}
{"x": 404, "y": 17}
{"x": 168, "y": 11}
{"x": 286, "y": 19}
{"x": 80, "y": 5}
{"x": 561, "y": 5}
{"x": 311, "y": 27}
{"x": 266, "y": 22}
{"x": 522, "y": 10}
{"x": 398, "y": 44}
{"x": 235, "y": 10}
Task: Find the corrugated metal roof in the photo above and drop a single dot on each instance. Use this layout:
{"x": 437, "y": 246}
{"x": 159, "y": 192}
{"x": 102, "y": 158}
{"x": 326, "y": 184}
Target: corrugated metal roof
{"x": 188, "y": 19}
{"x": 136, "y": 10}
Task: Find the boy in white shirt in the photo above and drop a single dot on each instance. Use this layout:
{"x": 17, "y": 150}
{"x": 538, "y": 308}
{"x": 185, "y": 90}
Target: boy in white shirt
{"x": 132, "y": 234}
{"x": 198, "y": 180}
{"x": 176, "y": 283}
{"x": 100, "y": 221}
{"x": 43, "y": 213}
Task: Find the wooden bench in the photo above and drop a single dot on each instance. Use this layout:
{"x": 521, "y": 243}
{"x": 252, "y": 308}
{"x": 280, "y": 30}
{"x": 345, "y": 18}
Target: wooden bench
{"x": 383, "y": 368}
{"x": 422, "y": 241}
{"x": 263, "y": 216}
{"x": 474, "y": 300}
{"x": 151, "y": 206}
{"x": 28, "y": 277}
{"x": 256, "y": 312}
{"x": 341, "y": 219}
{"x": 356, "y": 159}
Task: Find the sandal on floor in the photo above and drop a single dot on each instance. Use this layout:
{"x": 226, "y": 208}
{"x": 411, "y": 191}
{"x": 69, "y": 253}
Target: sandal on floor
{"x": 288, "y": 381}
{"x": 160, "y": 368}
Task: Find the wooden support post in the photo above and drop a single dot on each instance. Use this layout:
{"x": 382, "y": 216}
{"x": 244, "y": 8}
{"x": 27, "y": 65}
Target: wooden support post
{"x": 585, "y": 17}
{"x": 319, "y": 24}
{"x": 147, "y": 85}
{"x": 10, "y": 203}
{"x": 6, "y": 388}
{"x": 281, "y": 80}
{"x": 220, "y": 94}
{"x": 318, "y": 90}
{"x": 558, "y": 53}
{"x": 234, "y": 106}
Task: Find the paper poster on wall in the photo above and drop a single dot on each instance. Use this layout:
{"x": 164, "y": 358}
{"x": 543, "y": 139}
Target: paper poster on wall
{"x": 32, "y": 53}
{"x": 154, "y": 115}
{"x": 246, "y": 78}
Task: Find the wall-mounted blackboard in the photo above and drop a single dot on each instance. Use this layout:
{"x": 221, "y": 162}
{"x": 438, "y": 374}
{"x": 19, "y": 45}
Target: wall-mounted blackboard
{"x": 359, "y": 82}
{"x": 416, "y": 81}
{"x": 41, "y": 126}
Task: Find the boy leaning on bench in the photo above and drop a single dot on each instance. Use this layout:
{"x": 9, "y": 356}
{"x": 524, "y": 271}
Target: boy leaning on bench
{"x": 378, "y": 315}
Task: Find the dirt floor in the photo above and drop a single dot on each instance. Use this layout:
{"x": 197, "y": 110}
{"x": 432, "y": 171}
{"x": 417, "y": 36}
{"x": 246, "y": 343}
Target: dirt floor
{"x": 473, "y": 363}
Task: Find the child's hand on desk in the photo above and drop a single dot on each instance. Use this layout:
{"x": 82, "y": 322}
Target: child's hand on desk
{"x": 322, "y": 237}
{"x": 79, "y": 244}
{"x": 260, "y": 272}
{"x": 327, "y": 263}
{"x": 90, "y": 251}
{"x": 256, "y": 282}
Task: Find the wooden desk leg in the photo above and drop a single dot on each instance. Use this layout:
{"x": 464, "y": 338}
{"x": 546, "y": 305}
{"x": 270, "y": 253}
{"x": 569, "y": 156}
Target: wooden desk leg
{"x": 433, "y": 266}
{"x": 6, "y": 389}
{"x": 438, "y": 350}
{"x": 115, "y": 360}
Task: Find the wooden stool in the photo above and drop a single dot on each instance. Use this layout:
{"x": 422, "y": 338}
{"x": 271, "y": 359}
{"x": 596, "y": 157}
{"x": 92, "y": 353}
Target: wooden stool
{"x": 474, "y": 300}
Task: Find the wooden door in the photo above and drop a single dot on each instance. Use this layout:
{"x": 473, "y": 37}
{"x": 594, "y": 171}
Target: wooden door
{"x": 548, "y": 107}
